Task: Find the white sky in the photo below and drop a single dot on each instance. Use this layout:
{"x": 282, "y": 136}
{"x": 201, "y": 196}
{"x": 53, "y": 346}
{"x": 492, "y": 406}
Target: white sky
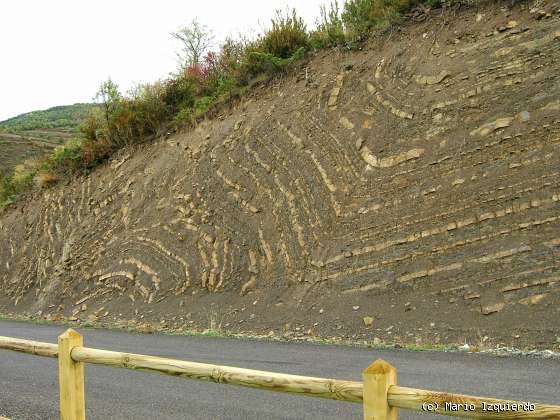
{"x": 58, "y": 52}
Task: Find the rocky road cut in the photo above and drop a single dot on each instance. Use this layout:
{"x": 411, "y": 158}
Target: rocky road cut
{"x": 413, "y": 183}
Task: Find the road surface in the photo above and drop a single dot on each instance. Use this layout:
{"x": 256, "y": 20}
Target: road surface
{"x": 29, "y": 387}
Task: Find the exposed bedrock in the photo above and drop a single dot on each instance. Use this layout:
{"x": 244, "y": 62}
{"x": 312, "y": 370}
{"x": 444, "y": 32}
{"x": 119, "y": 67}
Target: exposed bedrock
{"x": 420, "y": 184}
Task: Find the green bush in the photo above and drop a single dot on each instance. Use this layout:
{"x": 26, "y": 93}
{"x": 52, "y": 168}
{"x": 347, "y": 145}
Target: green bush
{"x": 23, "y": 176}
{"x": 178, "y": 93}
{"x": 269, "y": 64}
{"x": 7, "y": 195}
{"x": 202, "y": 105}
{"x": 287, "y": 35}
{"x": 130, "y": 119}
{"x": 357, "y": 17}
{"x": 110, "y": 100}
{"x": 231, "y": 54}
{"x": 20, "y": 181}
{"x": 361, "y": 16}
{"x": 91, "y": 126}
{"x": 330, "y": 28}
{"x": 184, "y": 117}
{"x": 96, "y": 152}
{"x": 219, "y": 83}
{"x": 231, "y": 68}
{"x": 149, "y": 109}
{"x": 64, "y": 159}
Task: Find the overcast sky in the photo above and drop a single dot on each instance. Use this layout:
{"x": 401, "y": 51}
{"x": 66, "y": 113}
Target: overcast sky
{"x": 57, "y": 52}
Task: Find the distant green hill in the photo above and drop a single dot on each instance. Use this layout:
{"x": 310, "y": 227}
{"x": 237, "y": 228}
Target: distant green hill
{"x": 37, "y": 133}
{"x": 66, "y": 117}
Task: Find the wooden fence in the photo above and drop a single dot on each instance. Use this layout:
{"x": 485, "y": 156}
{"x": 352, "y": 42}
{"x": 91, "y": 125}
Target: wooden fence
{"x": 378, "y": 392}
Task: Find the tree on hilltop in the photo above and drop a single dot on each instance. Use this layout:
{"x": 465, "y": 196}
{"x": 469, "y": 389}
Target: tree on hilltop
{"x": 196, "y": 39}
{"x": 109, "y": 97}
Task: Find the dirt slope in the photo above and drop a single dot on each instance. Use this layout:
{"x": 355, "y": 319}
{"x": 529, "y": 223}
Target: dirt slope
{"x": 414, "y": 182}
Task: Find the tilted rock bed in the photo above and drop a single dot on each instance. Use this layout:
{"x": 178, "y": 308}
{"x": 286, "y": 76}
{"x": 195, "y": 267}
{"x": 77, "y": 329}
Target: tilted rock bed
{"x": 407, "y": 193}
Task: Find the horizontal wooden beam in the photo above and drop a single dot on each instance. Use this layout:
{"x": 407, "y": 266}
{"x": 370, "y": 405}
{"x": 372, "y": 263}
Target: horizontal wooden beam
{"x": 312, "y": 387}
{"x": 31, "y": 347}
{"x": 457, "y": 405}
{"x": 401, "y": 397}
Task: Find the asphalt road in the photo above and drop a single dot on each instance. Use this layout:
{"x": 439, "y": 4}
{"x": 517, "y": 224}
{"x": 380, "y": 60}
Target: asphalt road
{"x": 29, "y": 387}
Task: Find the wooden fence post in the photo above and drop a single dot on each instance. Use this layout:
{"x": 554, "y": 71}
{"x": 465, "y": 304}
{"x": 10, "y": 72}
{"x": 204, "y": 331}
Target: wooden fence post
{"x": 71, "y": 377}
{"x": 378, "y": 377}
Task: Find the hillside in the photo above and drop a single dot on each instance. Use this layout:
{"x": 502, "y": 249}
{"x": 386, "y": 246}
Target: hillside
{"x": 65, "y": 117}
{"x": 403, "y": 193}
{"x": 36, "y": 133}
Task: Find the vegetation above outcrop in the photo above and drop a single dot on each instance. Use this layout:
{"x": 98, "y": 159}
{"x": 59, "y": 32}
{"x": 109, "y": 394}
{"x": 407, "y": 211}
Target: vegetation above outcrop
{"x": 197, "y": 88}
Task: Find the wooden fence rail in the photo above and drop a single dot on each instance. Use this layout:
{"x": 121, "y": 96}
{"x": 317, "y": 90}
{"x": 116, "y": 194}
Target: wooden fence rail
{"x": 379, "y": 393}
